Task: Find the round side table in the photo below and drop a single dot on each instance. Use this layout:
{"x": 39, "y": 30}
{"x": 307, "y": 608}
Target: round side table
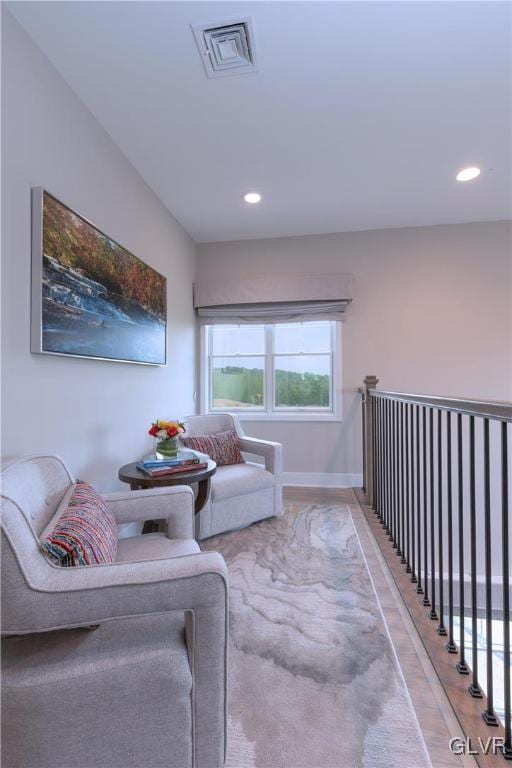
{"x": 137, "y": 480}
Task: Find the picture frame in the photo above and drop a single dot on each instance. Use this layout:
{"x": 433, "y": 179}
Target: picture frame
{"x": 91, "y": 297}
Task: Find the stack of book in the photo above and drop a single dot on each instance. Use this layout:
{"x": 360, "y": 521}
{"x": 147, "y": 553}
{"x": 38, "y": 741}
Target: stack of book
{"x": 185, "y": 461}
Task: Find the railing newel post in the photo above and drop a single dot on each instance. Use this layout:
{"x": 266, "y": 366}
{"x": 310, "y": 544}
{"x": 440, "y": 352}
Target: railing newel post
{"x": 370, "y": 383}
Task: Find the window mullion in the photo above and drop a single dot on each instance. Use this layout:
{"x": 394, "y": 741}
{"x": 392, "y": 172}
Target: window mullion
{"x": 335, "y": 366}
{"x": 269, "y": 368}
{"x": 209, "y": 373}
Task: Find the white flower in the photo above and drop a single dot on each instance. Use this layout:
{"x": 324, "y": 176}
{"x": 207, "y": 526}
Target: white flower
{"x": 162, "y": 434}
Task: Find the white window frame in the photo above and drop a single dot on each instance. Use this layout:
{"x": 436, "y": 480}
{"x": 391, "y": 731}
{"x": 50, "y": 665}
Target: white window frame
{"x": 271, "y": 413}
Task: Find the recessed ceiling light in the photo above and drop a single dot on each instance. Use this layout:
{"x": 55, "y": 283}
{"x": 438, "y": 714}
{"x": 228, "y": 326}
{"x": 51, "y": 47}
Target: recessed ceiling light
{"x": 467, "y": 174}
{"x": 252, "y": 197}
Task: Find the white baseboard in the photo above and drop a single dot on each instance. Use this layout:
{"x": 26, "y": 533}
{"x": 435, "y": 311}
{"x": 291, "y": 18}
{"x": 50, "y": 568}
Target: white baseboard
{"x": 323, "y": 479}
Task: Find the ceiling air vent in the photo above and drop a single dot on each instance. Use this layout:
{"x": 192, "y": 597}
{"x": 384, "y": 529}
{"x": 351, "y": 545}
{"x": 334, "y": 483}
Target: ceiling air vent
{"x": 226, "y": 49}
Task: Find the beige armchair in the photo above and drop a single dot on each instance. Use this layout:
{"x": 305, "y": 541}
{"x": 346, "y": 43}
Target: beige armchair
{"x": 240, "y": 494}
{"x": 148, "y": 686}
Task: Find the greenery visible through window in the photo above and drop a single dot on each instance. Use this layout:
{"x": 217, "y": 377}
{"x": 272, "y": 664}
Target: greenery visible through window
{"x": 271, "y": 368}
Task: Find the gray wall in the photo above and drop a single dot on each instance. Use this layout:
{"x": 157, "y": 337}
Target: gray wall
{"x": 431, "y": 314}
{"x": 94, "y": 414}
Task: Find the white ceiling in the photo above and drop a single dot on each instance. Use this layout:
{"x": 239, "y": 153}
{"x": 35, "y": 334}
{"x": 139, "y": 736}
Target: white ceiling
{"x": 358, "y": 118}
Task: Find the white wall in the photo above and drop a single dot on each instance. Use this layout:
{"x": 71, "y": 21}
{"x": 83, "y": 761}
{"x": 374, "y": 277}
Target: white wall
{"x": 432, "y": 307}
{"x": 431, "y": 314}
{"x": 95, "y": 414}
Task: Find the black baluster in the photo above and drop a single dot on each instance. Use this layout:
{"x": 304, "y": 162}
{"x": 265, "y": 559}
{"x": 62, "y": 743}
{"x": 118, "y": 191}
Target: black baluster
{"x": 402, "y": 489}
{"x": 374, "y": 440}
{"x": 398, "y": 480}
{"x": 433, "y": 614}
{"x": 419, "y": 588}
{"x": 474, "y": 688}
{"x": 507, "y": 748}
{"x": 381, "y": 459}
{"x": 398, "y": 501}
{"x": 461, "y": 665}
{"x": 381, "y": 450}
{"x": 450, "y": 646}
{"x": 413, "y": 504}
{"x": 377, "y": 426}
{"x": 426, "y": 601}
{"x": 388, "y": 438}
{"x": 441, "y": 630}
{"x": 489, "y": 715}
{"x": 385, "y": 452}
{"x": 408, "y": 506}
{"x": 364, "y": 402}
{"x": 395, "y": 483}
{"x": 390, "y": 472}
{"x": 377, "y": 454}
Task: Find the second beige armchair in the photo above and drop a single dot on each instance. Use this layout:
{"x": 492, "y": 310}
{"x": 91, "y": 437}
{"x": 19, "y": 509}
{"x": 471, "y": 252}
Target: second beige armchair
{"x": 240, "y": 494}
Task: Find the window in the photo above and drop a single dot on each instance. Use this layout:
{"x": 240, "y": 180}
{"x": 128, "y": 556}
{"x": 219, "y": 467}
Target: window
{"x": 285, "y": 370}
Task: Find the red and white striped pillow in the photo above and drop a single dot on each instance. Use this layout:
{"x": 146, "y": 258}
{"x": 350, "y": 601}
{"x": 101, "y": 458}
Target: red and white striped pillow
{"x": 85, "y": 533}
{"x": 221, "y": 447}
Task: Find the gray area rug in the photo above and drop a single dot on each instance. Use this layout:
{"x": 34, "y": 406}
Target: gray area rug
{"x": 314, "y": 682}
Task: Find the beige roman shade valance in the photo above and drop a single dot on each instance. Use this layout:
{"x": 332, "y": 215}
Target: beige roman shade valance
{"x": 273, "y": 299}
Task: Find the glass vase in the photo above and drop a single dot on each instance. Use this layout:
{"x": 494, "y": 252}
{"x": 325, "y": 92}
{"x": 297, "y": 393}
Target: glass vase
{"x": 167, "y": 448}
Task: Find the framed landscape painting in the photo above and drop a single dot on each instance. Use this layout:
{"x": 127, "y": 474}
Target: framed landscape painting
{"x": 90, "y": 296}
